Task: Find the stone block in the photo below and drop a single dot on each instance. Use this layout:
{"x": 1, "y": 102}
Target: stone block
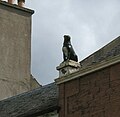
{"x": 68, "y": 67}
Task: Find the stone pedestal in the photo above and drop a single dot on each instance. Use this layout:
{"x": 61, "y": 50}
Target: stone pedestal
{"x": 68, "y": 67}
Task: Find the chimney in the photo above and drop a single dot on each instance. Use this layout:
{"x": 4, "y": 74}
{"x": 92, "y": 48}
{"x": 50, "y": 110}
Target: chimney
{"x": 21, "y": 3}
{"x": 11, "y": 1}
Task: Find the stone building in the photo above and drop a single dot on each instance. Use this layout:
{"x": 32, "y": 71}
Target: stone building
{"x": 94, "y": 89}
{"x": 15, "y": 50}
{"x": 90, "y": 88}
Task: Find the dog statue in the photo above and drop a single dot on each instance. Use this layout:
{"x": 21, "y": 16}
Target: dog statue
{"x": 68, "y": 51}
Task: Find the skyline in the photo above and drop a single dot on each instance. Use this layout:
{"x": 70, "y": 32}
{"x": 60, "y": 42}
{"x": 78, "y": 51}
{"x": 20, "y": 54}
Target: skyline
{"x": 91, "y": 25}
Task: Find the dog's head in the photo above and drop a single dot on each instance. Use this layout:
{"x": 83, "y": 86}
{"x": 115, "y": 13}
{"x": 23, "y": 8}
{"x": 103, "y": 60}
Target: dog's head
{"x": 66, "y": 39}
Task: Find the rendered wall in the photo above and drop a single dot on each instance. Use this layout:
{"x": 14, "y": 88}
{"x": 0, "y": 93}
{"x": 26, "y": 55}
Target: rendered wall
{"x": 15, "y": 50}
{"x": 93, "y": 95}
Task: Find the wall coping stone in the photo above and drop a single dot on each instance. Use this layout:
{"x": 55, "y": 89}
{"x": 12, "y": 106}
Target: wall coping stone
{"x": 89, "y": 69}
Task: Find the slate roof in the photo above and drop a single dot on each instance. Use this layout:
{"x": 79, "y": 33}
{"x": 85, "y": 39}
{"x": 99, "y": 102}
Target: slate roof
{"x": 35, "y": 102}
{"x": 110, "y": 50}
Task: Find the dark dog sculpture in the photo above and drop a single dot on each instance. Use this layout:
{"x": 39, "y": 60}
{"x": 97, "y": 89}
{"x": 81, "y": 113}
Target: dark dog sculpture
{"x": 68, "y": 51}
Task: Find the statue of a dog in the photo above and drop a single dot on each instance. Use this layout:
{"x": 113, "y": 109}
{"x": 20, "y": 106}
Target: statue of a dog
{"x": 68, "y": 51}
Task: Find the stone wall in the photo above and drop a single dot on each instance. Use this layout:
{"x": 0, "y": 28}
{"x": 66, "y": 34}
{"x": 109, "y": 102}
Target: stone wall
{"x": 94, "y": 95}
{"x": 34, "y": 83}
{"x": 15, "y": 49}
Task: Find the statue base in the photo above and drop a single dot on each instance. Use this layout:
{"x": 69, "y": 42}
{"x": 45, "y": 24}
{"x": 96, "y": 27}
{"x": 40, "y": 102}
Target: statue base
{"x": 68, "y": 67}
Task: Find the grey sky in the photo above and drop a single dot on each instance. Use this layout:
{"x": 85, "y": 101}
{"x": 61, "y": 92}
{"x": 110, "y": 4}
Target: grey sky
{"x": 90, "y": 23}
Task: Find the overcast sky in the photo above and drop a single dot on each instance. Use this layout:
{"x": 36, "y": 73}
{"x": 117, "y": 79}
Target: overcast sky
{"x": 90, "y": 23}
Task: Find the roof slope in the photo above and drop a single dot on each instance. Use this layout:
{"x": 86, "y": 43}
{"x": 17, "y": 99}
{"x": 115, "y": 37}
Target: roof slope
{"x": 110, "y": 50}
{"x": 38, "y": 101}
